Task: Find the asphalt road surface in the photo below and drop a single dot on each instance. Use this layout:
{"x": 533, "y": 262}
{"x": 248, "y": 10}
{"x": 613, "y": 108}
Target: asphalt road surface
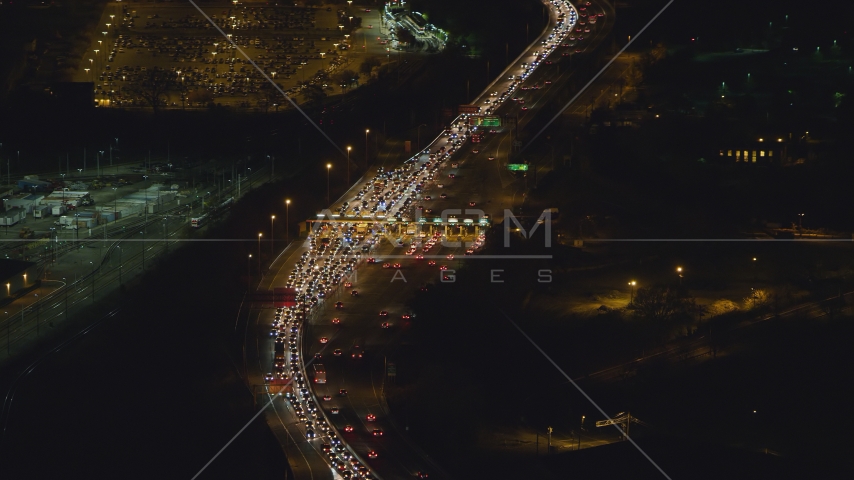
{"x": 376, "y": 317}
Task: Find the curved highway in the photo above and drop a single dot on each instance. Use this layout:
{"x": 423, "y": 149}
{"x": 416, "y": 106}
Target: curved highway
{"x": 365, "y": 244}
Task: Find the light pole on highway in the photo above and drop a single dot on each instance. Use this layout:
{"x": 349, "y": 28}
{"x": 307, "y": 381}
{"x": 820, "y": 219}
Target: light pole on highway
{"x": 272, "y": 234}
{"x": 93, "y": 281}
{"x": 249, "y": 271}
{"x": 259, "y": 252}
{"x": 65, "y": 287}
{"x": 38, "y": 317}
{"x": 287, "y": 221}
{"x": 348, "y": 165}
{"x": 115, "y": 202}
{"x": 367, "y": 131}
{"x": 328, "y": 166}
{"x": 679, "y": 272}
{"x": 632, "y": 295}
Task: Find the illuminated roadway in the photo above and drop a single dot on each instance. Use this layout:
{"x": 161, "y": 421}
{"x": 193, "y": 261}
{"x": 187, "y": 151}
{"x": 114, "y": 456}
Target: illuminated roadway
{"x": 485, "y": 182}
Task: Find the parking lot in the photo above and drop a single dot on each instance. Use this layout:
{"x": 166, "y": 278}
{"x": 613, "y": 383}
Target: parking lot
{"x": 172, "y": 53}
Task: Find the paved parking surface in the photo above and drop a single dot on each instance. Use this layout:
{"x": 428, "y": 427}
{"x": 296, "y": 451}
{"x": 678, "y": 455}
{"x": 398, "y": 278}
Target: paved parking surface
{"x": 171, "y": 51}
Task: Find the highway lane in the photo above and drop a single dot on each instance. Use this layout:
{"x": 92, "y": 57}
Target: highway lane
{"x": 365, "y": 396}
{"x": 379, "y": 290}
{"x": 305, "y": 458}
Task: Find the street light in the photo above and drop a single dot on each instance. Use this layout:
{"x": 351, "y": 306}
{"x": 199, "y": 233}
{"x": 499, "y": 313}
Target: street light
{"x": 348, "y": 165}
{"x": 287, "y": 221}
{"x": 249, "y": 271}
{"x": 367, "y": 131}
{"x": 115, "y": 202}
{"x": 272, "y": 233}
{"x": 679, "y": 272}
{"x": 328, "y": 166}
{"x": 259, "y": 253}
{"x": 93, "y": 281}
{"x": 65, "y": 287}
{"x": 632, "y": 295}
{"x": 38, "y": 316}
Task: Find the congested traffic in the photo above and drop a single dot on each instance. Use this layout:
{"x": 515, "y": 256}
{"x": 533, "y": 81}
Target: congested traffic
{"x": 567, "y": 17}
{"x": 347, "y": 237}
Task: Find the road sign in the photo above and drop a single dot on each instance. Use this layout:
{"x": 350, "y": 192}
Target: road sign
{"x": 468, "y": 109}
{"x": 392, "y": 370}
{"x": 517, "y": 143}
{"x": 285, "y": 297}
{"x": 517, "y": 167}
{"x": 490, "y": 121}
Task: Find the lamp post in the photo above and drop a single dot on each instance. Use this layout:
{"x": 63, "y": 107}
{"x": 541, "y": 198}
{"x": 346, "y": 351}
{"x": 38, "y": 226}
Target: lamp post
{"x": 287, "y": 221}
{"x": 93, "y": 281}
{"x": 115, "y": 202}
{"x": 249, "y": 271}
{"x": 679, "y": 272}
{"x": 367, "y": 131}
{"x": 38, "y": 317}
{"x": 259, "y": 253}
{"x": 348, "y": 164}
{"x": 65, "y": 287}
{"x": 145, "y": 177}
{"x": 801, "y": 224}
{"x": 328, "y": 166}
{"x": 632, "y": 295}
{"x": 272, "y": 234}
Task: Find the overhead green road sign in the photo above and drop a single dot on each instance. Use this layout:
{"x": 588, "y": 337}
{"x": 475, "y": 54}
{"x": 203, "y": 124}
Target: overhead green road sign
{"x": 490, "y": 121}
{"x": 517, "y": 167}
